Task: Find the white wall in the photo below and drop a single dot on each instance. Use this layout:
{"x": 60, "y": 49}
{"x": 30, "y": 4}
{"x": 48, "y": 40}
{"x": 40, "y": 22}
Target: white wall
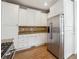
{"x": 8, "y": 32}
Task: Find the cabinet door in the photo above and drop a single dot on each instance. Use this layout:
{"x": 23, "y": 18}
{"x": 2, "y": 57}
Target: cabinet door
{"x": 43, "y": 20}
{"x": 29, "y": 17}
{"x": 69, "y": 42}
{"x": 56, "y": 9}
{"x": 37, "y": 18}
{"x": 26, "y": 17}
{"x": 23, "y": 42}
{"x": 9, "y": 13}
{"x": 40, "y": 19}
{"x": 68, "y": 13}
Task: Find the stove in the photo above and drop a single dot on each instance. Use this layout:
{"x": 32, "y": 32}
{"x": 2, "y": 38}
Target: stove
{"x": 5, "y": 47}
{"x": 7, "y": 50}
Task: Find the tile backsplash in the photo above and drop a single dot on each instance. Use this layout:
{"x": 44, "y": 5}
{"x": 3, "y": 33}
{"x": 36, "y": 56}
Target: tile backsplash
{"x": 32, "y": 29}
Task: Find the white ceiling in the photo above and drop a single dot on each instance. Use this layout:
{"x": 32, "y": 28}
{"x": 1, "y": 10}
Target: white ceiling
{"x": 40, "y": 4}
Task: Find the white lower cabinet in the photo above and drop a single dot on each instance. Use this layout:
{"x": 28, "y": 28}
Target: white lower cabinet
{"x": 23, "y": 42}
{"x": 30, "y": 40}
{"x": 68, "y": 42}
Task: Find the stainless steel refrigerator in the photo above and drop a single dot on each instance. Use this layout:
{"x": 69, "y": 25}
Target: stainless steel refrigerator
{"x": 56, "y": 36}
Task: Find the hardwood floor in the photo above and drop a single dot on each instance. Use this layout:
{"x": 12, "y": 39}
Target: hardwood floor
{"x": 35, "y": 53}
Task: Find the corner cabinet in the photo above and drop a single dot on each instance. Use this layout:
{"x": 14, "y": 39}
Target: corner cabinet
{"x": 9, "y": 13}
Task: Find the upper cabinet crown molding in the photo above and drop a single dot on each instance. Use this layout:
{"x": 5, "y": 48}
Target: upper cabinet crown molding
{"x": 9, "y": 13}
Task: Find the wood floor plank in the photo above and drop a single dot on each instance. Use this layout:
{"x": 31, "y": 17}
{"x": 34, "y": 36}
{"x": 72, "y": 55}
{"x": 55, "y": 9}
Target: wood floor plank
{"x": 37, "y": 53}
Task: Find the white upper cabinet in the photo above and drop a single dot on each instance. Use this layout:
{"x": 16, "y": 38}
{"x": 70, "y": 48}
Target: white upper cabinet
{"x": 26, "y": 17}
{"x": 29, "y": 17}
{"x": 43, "y": 19}
{"x": 68, "y": 13}
{"x": 56, "y": 9}
{"x": 9, "y": 13}
{"x": 37, "y": 19}
{"x": 40, "y": 19}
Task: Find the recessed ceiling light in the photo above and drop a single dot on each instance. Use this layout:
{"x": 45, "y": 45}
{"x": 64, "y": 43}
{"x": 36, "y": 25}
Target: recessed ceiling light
{"x": 45, "y": 4}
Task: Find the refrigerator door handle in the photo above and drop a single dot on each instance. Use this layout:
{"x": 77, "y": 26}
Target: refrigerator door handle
{"x": 51, "y": 36}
